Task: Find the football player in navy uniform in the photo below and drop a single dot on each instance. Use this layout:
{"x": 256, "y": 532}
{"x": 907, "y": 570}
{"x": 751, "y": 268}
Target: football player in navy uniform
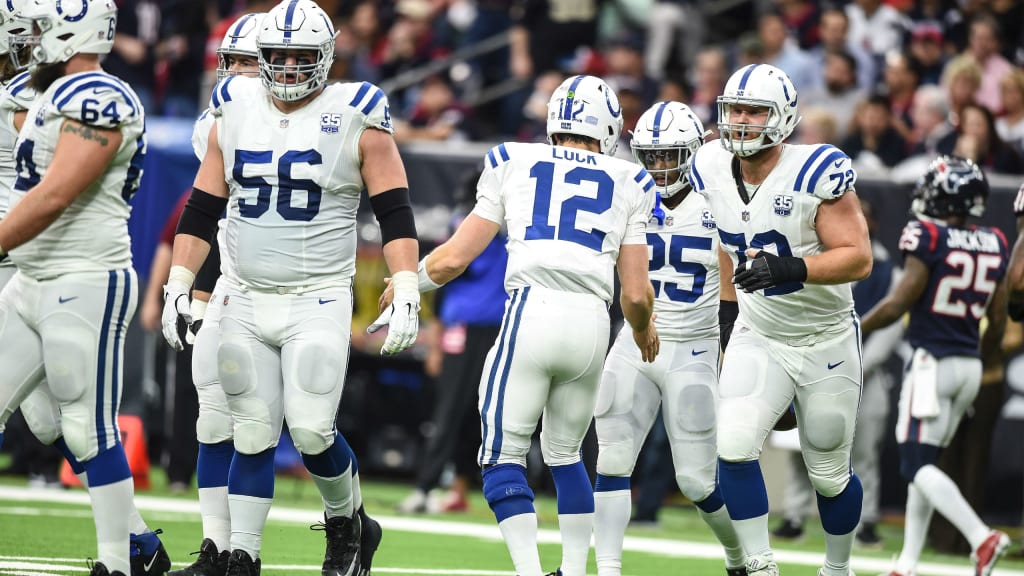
{"x": 954, "y": 276}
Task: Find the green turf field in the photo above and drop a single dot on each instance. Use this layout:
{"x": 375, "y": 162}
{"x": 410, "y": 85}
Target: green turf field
{"x": 51, "y": 532}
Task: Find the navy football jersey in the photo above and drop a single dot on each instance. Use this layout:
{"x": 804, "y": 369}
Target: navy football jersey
{"x": 965, "y": 265}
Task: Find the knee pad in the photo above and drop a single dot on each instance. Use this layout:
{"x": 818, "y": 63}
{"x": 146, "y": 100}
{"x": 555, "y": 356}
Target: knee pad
{"x": 506, "y": 490}
{"x": 694, "y": 487}
{"x": 213, "y": 426}
{"x": 253, "y": 434}
{"x": 832, "y": 482}
{"x": 79, "y": 435}
{"x": 42, "y": 416}
{"x": 914, "y": 456}
{"x": 308, "y": 441}
{"x": 827, "y": 430}
{"x": 556, "y": 453}
{"x": 616, "y": 453}
{"x": 738, "y": 431}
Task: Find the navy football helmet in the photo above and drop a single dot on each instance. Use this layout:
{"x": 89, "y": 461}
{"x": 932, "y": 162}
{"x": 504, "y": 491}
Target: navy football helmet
{"x": 952, "y": 186}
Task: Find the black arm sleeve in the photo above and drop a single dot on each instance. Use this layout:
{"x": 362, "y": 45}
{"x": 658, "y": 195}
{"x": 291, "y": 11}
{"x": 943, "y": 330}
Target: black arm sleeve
{"x": 727, "y": 312}
{"x": 201, "y": 213}
{"x": 207, "y": 277}
{"x": 394, "y": 213}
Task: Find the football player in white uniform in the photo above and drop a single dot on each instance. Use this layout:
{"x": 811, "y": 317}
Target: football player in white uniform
{"x": 64, "y": 314}
{"x": 40, "y": 408}
{"x": 288, "y": 156}
{"x": 955, "y": 277}
{"x": 572, "y": 212}
{"x": 683, "y": 381}
{"x": 790, "y": 220}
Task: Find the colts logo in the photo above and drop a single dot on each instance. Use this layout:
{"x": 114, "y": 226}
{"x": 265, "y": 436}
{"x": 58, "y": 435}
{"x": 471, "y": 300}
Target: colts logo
{"x": 72, "y": 17}
{"x": 707, "y": 220}
{"x": 783, "y": 204}
{"x": 330, "y": 123}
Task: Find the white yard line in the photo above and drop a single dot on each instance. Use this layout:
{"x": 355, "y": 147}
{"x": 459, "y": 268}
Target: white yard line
{"x": 661, "y": 547}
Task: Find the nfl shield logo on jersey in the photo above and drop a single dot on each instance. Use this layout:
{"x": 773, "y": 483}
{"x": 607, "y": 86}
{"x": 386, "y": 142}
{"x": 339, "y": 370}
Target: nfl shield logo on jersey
{"x": 783, "y": 204}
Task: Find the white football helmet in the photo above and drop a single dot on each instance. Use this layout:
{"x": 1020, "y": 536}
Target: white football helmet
{"x": 56, "y": 31}
{"x": 240, "y": 40}
{"x": 295, "y": 25}
{"x": 764, "y": 86}
{"x": 11, "y": 23}
{"x": 586, "y": 106}
{"x": 665, "y": 138}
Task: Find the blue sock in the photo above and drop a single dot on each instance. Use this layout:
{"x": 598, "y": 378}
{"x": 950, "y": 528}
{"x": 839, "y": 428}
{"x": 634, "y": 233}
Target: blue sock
{"x": 1, "y": 439}
{"x": 610, "y": 483}
{"x": 108, "y": 467}
{"x": 572, "y": 489}
{"x": 214, "y": 464}
{"x": 76, "y": 466}
{"x": 506, "y": 490}
{"x": 332, "y": 462}
{"x": 840, "y": 514}
{"x": 743, "y": 488}
{"x": 713, "y": 502}
{"x": 252, "y": 474}
{"x": 351, "y": 454}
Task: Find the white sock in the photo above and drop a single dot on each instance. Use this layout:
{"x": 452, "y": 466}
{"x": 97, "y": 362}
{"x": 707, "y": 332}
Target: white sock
{"x": 753, "y": 535}
{"x": 520, "y": 534}
{"x": 84, "y": 479}
{"x": 915, "y": 530}
{"x": 723, "y": 529}
{"x": 112, "y": 526}
{"x": 944, "y": 495}
{"x": 248, "y": 517}
{"x": 611, "y": 516}
{"x": 336, "y": 493}
{"x": 213, "y": 506}
{"x": 838, "y": 549}
{"x": 576, "y": 530}
{"x": 357, "y": 492}
{"x": 135, "y": 521}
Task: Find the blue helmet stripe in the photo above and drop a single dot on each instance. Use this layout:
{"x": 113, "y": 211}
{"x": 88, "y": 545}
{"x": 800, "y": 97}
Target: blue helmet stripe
{"x": 288, "y": 15}
{"x": 657, "y": 119}
{"x": 238, "y": 28}
{"x": 567, "y": 111}
{"x": 746, "y": 76}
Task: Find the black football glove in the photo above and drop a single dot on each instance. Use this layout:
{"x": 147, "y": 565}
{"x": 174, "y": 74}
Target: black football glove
{"x": 1015, "y": 307}
{"x": 765, "y": 270}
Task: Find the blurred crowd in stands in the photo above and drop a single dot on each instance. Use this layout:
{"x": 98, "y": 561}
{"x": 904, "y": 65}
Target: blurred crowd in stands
{"x": 891, "y": 82}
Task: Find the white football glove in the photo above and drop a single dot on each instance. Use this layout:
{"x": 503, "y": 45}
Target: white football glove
{"x": 176, "y": 304}
{"x": 402, "y": 317}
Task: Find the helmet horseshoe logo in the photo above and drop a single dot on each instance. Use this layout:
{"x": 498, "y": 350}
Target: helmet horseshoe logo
{"x": 72, "y": 17}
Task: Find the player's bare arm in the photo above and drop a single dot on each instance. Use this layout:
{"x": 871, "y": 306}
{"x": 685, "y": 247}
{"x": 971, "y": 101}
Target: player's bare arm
{"x": 911, "y": 286}
{"x": 637, "y": 298}
{"x": 383, "y": 173}
{"x": 728, "y": 307}
{"x": 79, "y": 161}
{"x": 995, "y": 314}
{"x": 844, "y": 232}
{"x": 451, "y": 258}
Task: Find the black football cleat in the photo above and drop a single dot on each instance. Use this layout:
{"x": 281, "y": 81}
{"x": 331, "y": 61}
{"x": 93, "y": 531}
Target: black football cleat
{"x": 741, "y": 571}
{"x": 241, "y": 564}
{"x": 100, "y": 569}
{"x": 211, "y": 562}
{"x": 369, "y": 540}
{"x": 343, "y": 537}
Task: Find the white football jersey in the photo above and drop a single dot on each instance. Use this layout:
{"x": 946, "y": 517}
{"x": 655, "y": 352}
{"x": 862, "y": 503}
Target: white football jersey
{"x": 92, "y": 233}
{"x": 15, "y": 96}
{"x": 200, "y": 140}
{"x": 294, "y": 181}
{"x": 780, "y": 219}
{"x": 567, "y": 212}
{"x": 683, "y": 252}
